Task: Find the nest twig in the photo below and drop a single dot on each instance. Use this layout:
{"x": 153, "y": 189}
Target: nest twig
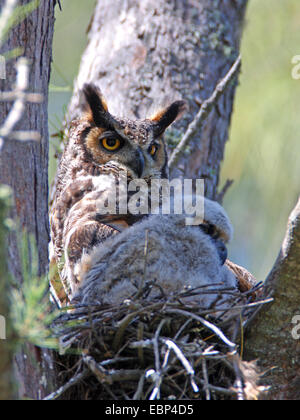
{"x": 165, "y": 349}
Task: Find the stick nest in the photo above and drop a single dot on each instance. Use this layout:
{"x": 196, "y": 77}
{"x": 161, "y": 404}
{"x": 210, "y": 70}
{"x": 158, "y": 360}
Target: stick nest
{"x": 163, "y": 349}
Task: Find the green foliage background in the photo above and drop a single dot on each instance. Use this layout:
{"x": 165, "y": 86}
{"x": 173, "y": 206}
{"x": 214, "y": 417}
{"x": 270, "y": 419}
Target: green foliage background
{"x": 263, "y": 153}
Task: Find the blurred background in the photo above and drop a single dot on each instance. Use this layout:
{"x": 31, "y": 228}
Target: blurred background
{"x": 263, "y": 154}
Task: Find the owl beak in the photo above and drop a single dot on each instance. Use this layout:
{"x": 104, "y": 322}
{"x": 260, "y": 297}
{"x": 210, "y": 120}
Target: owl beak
{"x": 139, "y": 164}
{"x": 222, "y": 251}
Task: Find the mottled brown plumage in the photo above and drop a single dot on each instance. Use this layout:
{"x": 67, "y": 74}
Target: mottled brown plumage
{"x": 100, "y": 148}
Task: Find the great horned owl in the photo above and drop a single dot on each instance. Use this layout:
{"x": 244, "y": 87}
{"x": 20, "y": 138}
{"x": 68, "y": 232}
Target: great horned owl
{"x": 99, "y": 147}
{"x": 164, "y": 253}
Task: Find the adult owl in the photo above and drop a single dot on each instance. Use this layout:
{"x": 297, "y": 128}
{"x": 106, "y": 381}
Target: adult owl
{"x": 100, "y": 147}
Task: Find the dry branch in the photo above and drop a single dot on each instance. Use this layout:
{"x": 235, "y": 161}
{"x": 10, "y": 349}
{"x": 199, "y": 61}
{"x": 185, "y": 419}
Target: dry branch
{"x": 6, "y": 13}
{"x": 20, "y": 98}
{"x": 72, "y": 382}
{"x": 201, "y": 116}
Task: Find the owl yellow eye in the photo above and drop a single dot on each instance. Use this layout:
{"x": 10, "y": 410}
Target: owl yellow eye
{"x": 153, "y": 149}
{"x": 111, "y": 144}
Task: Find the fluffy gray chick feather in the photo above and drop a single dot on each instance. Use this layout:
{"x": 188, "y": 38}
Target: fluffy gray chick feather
{"x": 160, "y": 251}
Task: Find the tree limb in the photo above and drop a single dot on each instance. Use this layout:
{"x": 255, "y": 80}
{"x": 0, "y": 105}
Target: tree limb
{"x": 23, "y": 165}
{"x": 20, "y": 98}
{"x": 201, "y": 116}
{"x": 6, "y": 13}
{"x": 270, "y": 336}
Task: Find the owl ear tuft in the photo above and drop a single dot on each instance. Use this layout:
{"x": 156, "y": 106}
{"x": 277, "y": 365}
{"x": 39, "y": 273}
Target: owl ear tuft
{"x": 165, "y": 117}
{"x": 95, "y": 105}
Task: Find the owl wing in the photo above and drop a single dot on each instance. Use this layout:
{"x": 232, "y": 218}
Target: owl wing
{"x": 76, "y": 228}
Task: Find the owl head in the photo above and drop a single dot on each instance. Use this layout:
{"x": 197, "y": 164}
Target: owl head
{"x": 135, "y": 146}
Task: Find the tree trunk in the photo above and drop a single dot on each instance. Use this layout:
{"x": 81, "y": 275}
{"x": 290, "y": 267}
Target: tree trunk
{"x": 274, "y": 337}
{"x": 24, "y": 167}
{"x": 144, "y": 54}
{"x": 5, "y": 360}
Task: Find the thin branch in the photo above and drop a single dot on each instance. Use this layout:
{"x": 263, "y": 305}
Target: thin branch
{"x": 206, "y": 381}
{"x": 126, "y": 321}
{"x": 158, "y": 373}
{"x": 110, "y": 376}
{"x": 185, "y": 363}
{"x": 204, "y": 111}
{"x": 19, "y": 106}
{"x": 239, "y": 379}
{"x": 220, "y": 390}
{"x": 59, "y": 4}
{"x": 221, "y": 195}
{"x": 35, "y": 98}
{"x": 72, "y": 382}
{"x": 20, "y": 99}
{"x": 207, "y": 324}
{"x": 23, "y": 136}
{"x": 140, "y": 388}
{"x": 5, "y": 16}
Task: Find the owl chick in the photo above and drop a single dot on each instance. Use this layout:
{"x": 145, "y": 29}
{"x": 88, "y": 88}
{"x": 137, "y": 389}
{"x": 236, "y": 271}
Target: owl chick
{"x": 100, "y": 147}
{"x": 165, "y": 254}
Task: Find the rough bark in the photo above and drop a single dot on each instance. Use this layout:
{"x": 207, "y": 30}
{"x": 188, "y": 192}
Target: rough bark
{"x": 144, "y": 54}
{"x": 24, "y": 167}
{"x": 271, "y": 339}
{"x": 5, "y": 359}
